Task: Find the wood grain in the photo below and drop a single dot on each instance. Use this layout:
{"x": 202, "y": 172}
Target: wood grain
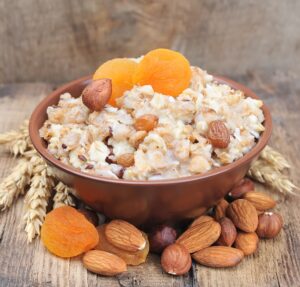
{"x": 60, "y": 40}
{"x": 277, "y": 263}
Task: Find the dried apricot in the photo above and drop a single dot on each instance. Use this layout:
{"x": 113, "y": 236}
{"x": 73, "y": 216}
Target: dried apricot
{"x": 131, "y": 258}
{"x": 120, "y": 71}
{"x": 67, "y": 233}
{"x": 167, "y": 71}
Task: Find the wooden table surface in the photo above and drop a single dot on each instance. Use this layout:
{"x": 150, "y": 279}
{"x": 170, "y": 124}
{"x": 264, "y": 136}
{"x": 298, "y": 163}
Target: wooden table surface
{"x": 277, "y": 263}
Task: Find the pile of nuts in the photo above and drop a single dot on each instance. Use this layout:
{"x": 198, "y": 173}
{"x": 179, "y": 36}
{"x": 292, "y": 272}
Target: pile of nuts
{"x": 220, "y": 240}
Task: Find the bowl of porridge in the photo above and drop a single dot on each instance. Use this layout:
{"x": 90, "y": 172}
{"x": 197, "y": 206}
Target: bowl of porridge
{"x": 154, "y": 150}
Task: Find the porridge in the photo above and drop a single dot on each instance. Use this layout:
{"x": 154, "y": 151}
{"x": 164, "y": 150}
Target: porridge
{"x": 143, "y": 133}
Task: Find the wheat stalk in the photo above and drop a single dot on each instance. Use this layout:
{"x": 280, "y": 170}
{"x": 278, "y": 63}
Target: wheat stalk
{"x": 275, "y": 158}
{"x": 62, "y": 196}
{"x": 36, "y": 199}
{"x": 265, "y": 173}
{"x": 15, "y": 183}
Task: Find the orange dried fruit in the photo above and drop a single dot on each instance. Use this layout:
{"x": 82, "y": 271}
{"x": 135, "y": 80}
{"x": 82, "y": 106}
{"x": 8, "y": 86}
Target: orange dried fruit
{"x": 67, "y": 233}
{"x": 131, "y": 258}
{"x": 167, "y": 71}
{"x": 120, "y": 71}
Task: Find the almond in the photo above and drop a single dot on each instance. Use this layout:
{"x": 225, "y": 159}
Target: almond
{"x": 243, "y": 214}
{"x": 260, "y": 201}
{"x": 201, "y": 219}
{"x": 228, "y": 232}
{"x": 176, "y": 260}
{"x": 96, "y": 95}
{"x": 245, "y": 185}
{"x": 269, "y": 225}
{"x": 219, "y": 256}
{"x": 247, "y": 242}
{"x": 124, "y": 235}
{"x": 146, "y": 122}
{"x": 126, "y": 159}
{"x": 103, "y": 263}
{"x": 220, "y": 209}
{"x": 200, "y": 236}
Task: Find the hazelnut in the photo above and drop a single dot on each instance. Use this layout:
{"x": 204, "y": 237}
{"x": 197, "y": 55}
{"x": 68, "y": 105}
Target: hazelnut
{"x": 228, "y": 232}
{"x": 247, "y": 242}
{"x": 176, "y": 260}
{"x": 90, "y": 215}
{"x": 243, "y": 186}
{"x": 160, "y": 237}
{"x": 96, "y": 95}
{"x": 269, "y": 225}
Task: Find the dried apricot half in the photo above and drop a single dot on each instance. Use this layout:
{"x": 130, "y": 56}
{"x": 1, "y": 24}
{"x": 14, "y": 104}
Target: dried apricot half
{"x": 120, "y": 71}
{"x": 67, "y": 233}
{"x": 167, "y": 71}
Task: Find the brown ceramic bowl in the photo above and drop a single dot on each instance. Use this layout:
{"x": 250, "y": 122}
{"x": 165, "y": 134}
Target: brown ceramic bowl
{"x": 147, "y": 202}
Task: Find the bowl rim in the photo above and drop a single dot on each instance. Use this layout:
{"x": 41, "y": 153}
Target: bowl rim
{"x": 37, "y": 141}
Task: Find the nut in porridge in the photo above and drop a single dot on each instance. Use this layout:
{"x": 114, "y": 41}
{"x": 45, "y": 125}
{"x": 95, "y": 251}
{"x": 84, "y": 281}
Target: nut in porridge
{"x": 146, "y": 122}
{"x": 154, "y": 134}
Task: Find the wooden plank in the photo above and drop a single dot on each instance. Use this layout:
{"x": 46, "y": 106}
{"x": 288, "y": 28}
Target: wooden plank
{"x": 60, "y": 40}
{"x": 277, "y": 263}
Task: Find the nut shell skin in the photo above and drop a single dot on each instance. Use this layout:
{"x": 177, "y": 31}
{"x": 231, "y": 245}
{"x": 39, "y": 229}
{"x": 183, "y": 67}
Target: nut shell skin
{"x": 245, "y": 185}
{"x": 260, "y": 201}
{"x": 161, "y": 237}
{"x": 269, "y": 225}
{"x": 103, "y": 263}
{"x": 243, "y": 214}
{"x": 247, "y": 242}
{"x": 228, "y": 232}
{"x": 176, "y": 260}
{"x": 219, "y": 256}
{"x": 97, "y": 94}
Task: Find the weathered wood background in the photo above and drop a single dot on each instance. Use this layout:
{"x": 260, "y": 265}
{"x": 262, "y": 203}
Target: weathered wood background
{"x": 276, "y": 264}
{"x": 60, "y": 40}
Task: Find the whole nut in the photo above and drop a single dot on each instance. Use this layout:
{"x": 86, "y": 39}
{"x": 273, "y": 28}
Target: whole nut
{"x": 218, "y": 134}
{"x": 103, "y": 263}
{"x": 228, "y": 232}
{"x": 243, "y": 215}
{"x": 161, "y": 237}
{"x": 220, "y": 209}
{"x": 200, "y": 236}
{"x": 201, "y": 219}
{"x": 176, "y": 260}
{"x": 126, "y": 159}
{"x": 219, "y": 256}
{"x": 96, "y": 95}
{"x": 124, "y": 235}
{"x": 269, "y": 225}
{"x": 90, "y": 215}
{"x": 261, "y": 201}
{"x": 245, "y": 185}
{"x": 146, "y": 122}
{"x": 247, "y": 242}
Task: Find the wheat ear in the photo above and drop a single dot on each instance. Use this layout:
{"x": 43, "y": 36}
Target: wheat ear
{"x": 36, "y": 200}
{"x": 265, "y": 173}
{"x": 15, "y": 183}
{"x": 62, "y": 196}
